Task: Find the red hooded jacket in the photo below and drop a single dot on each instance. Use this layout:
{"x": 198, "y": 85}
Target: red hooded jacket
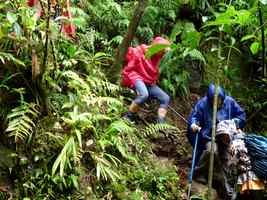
{"x": 139, "y": 68}
{"x": 68, "y": 28}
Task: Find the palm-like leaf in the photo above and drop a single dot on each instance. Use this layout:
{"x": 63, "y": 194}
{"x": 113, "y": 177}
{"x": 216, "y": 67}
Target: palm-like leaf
{"x": 105, "y": 166}
{"x": 69, "y": 153}
{"x": 9, "y": 57}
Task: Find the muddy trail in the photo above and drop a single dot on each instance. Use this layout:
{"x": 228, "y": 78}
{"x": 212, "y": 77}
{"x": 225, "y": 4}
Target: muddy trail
{"x": 173, "y": 148}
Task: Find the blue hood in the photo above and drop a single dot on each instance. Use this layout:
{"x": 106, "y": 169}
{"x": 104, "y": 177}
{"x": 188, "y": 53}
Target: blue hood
{"x": 211, "y": 92}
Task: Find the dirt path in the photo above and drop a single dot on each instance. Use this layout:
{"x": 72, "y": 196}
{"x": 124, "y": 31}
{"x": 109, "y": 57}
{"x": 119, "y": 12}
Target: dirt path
{"x": 178, "y": 152}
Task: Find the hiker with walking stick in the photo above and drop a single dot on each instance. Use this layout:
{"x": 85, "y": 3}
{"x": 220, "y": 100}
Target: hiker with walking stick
{"x": 201, "y": 119}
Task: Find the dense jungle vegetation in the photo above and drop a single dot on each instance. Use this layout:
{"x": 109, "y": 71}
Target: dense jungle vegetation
{"x": 62, "y": 133}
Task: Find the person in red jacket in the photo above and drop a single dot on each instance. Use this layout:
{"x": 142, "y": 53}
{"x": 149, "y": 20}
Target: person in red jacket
{"x": 68, "y": 28}
{"x": 142, "y": 74}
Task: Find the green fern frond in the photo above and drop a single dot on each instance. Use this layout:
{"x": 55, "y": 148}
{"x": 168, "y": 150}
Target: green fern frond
{"x": 57, "y": 139}
{"x": 119, "y": 126}
{"x": 116, "y": 136}
{"x": 103, "y": 87}
{"x": 100, "y": 101}
{"x": 87, "y": 40}
{"x": 194, "y": 54}
{"x": 9, "y": 57}
{"x": 75, "y": 81}
{"x": 116, "y": 40}
{"x": 79, "y": 18}
{"x": 84, "y": 120}
{"x": 112, "y": 88}
{"x": 21, "y": 121}
{"x": 154, "y": 129}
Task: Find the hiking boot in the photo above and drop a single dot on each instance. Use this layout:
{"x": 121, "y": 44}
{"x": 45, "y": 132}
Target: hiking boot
{"x": 129, "y": 116}
{"x": 199, "y": 177}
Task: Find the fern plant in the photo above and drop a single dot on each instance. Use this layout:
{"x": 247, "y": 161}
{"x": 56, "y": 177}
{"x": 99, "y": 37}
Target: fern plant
{"x": 153, "y": 130}
{"x": 116, "y": 136}
{"x": 21, "y": 121}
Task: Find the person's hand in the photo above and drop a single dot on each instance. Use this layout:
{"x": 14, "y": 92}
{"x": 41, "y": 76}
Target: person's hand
{"x": 194, "y": 127}
{"x": 236, "y": 121}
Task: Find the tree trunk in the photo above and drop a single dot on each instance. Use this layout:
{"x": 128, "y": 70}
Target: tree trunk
{"x": 122, "y": 49}
{"x": 40, "y": 88}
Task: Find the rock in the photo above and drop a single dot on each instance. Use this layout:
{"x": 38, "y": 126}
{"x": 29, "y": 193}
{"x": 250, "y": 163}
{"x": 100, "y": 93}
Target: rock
{"x": 201, "y": 191}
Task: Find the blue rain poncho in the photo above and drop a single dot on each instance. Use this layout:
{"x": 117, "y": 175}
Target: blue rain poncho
{"x": 202, "y": 116}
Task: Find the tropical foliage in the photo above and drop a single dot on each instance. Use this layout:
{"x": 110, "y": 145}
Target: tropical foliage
{"x": 62, "y": 132}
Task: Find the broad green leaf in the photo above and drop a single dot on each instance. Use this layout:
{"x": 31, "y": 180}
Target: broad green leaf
{"x": 1, "y": 33}
{"x": 79, "y": 21}
{"x": 2, "y": 5}
{"x": 264, "y": 2}
{"x": 232, "y": 16}
{"x": 243, "y": 16}
{"x": 191, "y": 39}
{"x": 71, "y": 51}
{"x": 11, "y": 17}
{"x": 155, "y": 49}
{"x": 247, "y": 37}
{"x": 79, "y": 137}
{"x": 63, "y": 157}
{"x": 254, "y": 47}
{"x": 178, "y": 28}
{"x": 100, "y": 54}
{"x": 74, "y": 180}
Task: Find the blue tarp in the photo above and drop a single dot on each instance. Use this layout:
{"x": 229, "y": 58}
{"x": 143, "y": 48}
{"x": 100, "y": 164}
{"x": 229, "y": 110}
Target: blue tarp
{"x": 257, "y": 149}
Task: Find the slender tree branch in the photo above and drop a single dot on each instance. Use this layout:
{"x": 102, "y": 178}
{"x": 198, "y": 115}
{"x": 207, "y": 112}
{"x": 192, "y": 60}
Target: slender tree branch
{"x": 211, "y": 163}
{"x": 47, "y": 35}
{"x": 122, "y": 49}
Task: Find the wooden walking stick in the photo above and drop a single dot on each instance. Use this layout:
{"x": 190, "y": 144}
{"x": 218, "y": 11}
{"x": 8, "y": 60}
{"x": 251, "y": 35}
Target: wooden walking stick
{"x": 214, "y": 113}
